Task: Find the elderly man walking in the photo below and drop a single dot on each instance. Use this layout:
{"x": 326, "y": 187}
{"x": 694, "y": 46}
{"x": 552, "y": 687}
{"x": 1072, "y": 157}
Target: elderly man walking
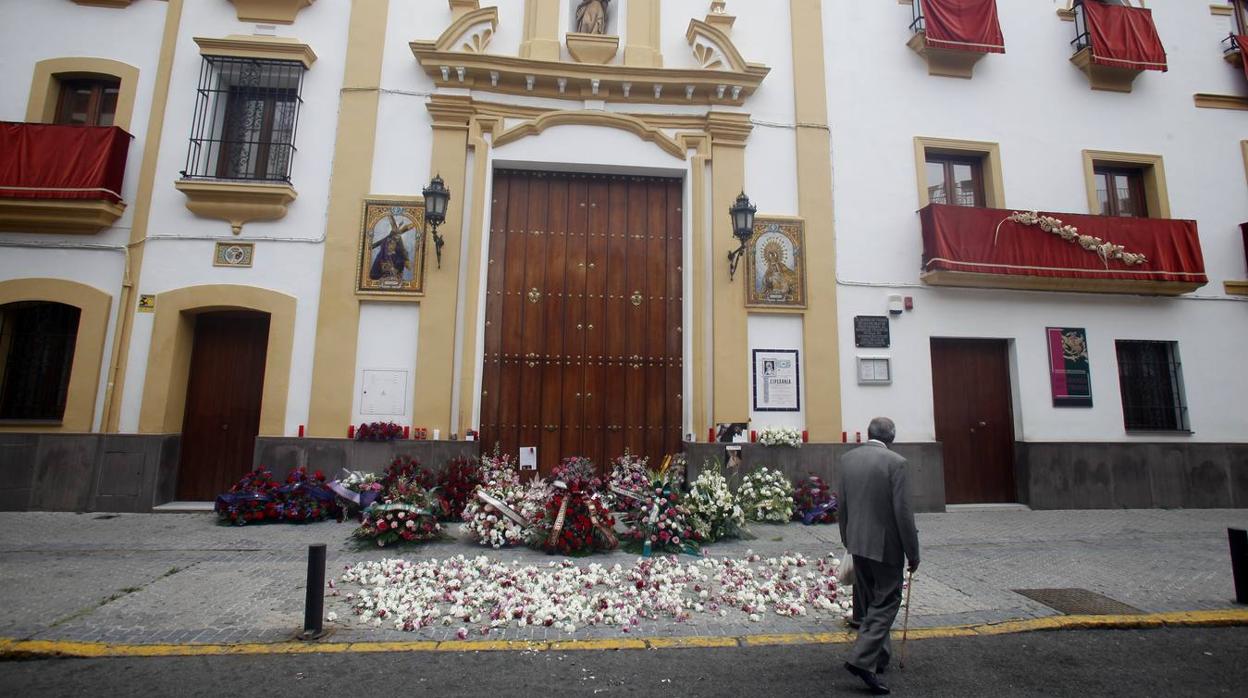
{"x": 877, "y": 528}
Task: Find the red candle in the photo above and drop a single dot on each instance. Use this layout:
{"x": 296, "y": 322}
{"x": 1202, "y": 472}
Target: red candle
{"x": 350, "y": 431}
{"x": 301, "y": 431}
{"x": 753, "y": 436}
{"x": 407, "y": 432}
{"x": 857, "y": 437}
{"x": 844, "y": 437}
{"x": 710, "y": 435}
{"x": 805, "y": 436}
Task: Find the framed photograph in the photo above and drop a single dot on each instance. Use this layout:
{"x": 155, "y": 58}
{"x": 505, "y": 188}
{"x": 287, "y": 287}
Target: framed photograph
{"x": 775, "y": 264}
{"x": 392, "y": 248}
{"x": 1070, "y": 374}
{"x": 777, "y": 381}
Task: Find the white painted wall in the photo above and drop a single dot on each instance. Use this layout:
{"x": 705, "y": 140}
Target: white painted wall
{"x": 387, "y": 342}
{"x": 777, "y": 331}
{"x": 1041, "y": 110}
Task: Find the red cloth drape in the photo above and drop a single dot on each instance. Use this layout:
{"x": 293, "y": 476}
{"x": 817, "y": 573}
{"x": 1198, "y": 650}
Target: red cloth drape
{"x": 1242, "y": 41}
{"x": 46, "y": 161}
{"x": 967, "y": 25}
{"x": 1123, "y": 37}
{"x": 960, "y": 238}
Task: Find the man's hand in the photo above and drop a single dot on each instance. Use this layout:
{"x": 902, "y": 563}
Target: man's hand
{"x": 914, "y": 565}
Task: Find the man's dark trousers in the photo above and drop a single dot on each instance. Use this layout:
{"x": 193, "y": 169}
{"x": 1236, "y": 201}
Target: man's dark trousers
{"x": 879, "y": 584}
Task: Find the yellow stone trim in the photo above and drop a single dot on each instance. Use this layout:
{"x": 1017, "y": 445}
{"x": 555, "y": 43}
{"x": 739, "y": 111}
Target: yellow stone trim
{"x": 173, "y": 337}
{"x": 716, "y": 37}
{"x": 277, "y": 11}
{"x": 114, "y": 4}
{"x": 142, "y": 214}
{"x": 814, "y": 199}
{"x": 949, "y": 63}
{"x": 237, "y": 203}
{"x": 1153, "y": 168}
{"x": 1205, "y": 100}
{"x": 45, "y": 86}
{"x": 592, "y": 48}
{"x": 623, "y": 122}
{"x": 72, "y": 216}
{"x": 462, "y": 7}
{"x": 84, "y": 373}
{"x": 540, "y": 38}
{"x": 989, "y": 152}
{"x": 967, "y": 279}
{"x": 272, "y": 48}
{"x": 1104, "y": 77}
{"x": 451, "y": 38}
{"x": 1243, "y": 146}
{"x": 1221, "y": 10}
{"x": 1235, "y": 288}
{"x": 644, "y": 45}
{"x": 338, "y": 310}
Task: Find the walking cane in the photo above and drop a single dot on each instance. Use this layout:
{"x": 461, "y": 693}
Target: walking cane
{"x": 905, "y": 623}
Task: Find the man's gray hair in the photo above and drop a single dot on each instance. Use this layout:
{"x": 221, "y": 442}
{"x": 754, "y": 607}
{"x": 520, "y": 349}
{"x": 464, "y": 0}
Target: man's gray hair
{"x": 882, "y": 429}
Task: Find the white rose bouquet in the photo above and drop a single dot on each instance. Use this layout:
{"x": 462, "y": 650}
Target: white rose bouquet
{"x": 716, "y": 513}
{"x": 766, "y": 496}
{"x": 780, "y": 436}
{"x": 629, "y": 473}
{"x": 487, "y": 525}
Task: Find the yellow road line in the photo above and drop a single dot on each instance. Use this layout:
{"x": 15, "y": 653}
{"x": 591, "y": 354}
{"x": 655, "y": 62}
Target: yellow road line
{"x": 13, "y": 648}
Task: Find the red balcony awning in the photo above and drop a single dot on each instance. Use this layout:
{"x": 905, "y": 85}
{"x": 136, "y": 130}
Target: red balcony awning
{"x": 1123, "y": 37}
{"x": 46, "y": 161}
{"x": 1242, "y": 42}
{"x": 966, "y": 25}
{"x": 965, "y": 246}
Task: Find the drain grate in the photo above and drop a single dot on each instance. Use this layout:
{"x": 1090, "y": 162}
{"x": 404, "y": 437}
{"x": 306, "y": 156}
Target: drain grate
{"x": 1079, "y": 602}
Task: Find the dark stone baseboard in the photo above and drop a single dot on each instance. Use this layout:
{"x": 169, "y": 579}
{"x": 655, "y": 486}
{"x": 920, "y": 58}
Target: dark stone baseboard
{"x": 281, "y": 454}
{"x": 926, "y": 474}
{"x": 87, "y": 472}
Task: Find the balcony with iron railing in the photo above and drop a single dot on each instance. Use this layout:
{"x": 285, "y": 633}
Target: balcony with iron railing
{"x": 1114, "y": 44}
{"x": 61, "y": 178}
{"x": 952, "y": 43}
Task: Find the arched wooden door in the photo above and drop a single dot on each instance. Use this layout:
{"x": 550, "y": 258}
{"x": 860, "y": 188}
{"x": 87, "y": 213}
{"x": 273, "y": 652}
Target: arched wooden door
{"x": 583, "y": 316}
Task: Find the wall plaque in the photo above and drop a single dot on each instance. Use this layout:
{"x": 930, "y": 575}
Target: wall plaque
{"x": 233, "y": 254}
{"x": 1070, "y": 375}
{"x": 871, "y": 331}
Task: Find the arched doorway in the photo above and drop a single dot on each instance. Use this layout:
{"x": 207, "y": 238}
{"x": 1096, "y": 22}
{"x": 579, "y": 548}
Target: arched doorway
{"x": 37, "y": 341}
{"x": 224, "y": 392}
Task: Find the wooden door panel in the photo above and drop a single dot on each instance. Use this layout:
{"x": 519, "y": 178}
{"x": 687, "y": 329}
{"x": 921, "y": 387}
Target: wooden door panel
{"x": 973, "y": 419}
{"x": 223, "y": 397}
{"x": 491, "y": 370}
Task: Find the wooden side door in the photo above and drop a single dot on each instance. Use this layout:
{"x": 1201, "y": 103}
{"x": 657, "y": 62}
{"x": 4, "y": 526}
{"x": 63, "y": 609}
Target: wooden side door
{"x": 583, "y": 316}
{"x": 974, "y": 419}
{"x": 223, "y": 397}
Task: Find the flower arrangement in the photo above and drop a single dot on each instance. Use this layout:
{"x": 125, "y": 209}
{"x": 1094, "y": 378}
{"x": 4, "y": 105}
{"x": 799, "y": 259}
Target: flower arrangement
{"x": 814, "y": 502}
{"x": 1104, "y": 249}
{"x": 306, "y": 497}
{"x": 356, "y": 490}
{"x": 405, "y": 512}
{"x": 488, "y": 523}
{"x": 402, "y": 468}
{"x": 498, "y": 470}
{"x": 577, "y": 470}
{"x": 629, "y": 481}
{"x": 663, "y": 523}
{"x": 780, "y": 436}
{"x": 716, "y": 513}
{"x": 257, "y": 498}
{"x": 456, "y": 484}
{"x": 378, "y": 431}
{"x": 573, "y": 521}
{"x": 766, "y": 496}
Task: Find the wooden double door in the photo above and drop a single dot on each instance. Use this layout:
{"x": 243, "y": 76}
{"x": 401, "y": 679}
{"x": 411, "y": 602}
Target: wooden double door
{"x": 583, "y": 316}
{"x": 223, "y": 398}
{"x": 974, "y": 419}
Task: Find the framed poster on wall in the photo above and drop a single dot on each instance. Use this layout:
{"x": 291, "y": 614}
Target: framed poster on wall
{"x": 391, "y": 248}
{"x": 777, "y": 380}
{"x": 1070, "y": 375}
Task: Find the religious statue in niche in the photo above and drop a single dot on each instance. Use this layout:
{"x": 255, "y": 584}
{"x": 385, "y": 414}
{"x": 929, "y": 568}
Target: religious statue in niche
{"x": 591, "y": 17}
{"x": 392, "y": 248}
{"x": 776, "y": 264}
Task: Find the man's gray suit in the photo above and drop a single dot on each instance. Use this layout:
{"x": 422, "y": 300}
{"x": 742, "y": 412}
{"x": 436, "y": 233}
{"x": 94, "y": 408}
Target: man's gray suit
{"x": 877, "y": 528}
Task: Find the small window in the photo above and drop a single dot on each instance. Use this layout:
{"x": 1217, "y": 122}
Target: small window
{"x": 956, "y": 180}
{"x": 245, "y": 119}
{"x": 87, "y": 101}
{"x": 37, "y": 348}
{"x": 1120, "y": 191}
{"x": 1151, "y": 379}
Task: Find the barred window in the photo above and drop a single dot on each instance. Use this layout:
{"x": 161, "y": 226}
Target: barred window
{"x": 1151, "y": 379}
{"x": 246, "y": 114}
{"x": 36, "y": 353}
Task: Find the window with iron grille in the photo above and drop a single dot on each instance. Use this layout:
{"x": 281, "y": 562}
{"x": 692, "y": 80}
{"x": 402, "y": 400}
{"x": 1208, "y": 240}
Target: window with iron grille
{"x": 246, "y": 114}
{"x": 1150, "y": 377}
{"x": 36, "y": 354}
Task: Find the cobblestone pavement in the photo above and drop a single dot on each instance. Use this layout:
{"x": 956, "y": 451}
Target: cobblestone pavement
{"x": 178, "y": 578}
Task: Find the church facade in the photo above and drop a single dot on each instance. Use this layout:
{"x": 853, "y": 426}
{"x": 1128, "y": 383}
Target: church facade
{"x": 581, "y": 227}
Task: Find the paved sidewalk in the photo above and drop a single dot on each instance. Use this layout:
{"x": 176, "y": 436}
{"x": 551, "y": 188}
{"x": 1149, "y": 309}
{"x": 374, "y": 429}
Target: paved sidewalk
{"x": 182, "y": 578}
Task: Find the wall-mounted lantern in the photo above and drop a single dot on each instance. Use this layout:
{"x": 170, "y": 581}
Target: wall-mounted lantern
{"x": 742, "y": 213}
{"x": 436, "y": 197}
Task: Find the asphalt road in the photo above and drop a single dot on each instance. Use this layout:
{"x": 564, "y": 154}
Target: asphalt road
{"x": 1194, "y": 661}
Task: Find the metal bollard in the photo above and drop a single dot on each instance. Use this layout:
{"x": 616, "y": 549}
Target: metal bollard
{"x": 1239, "y": 562}
{"x": 314, "y": 603}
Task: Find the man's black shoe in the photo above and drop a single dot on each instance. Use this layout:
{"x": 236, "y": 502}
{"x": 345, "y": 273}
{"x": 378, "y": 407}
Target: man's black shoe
{"x": 868, "y": 678}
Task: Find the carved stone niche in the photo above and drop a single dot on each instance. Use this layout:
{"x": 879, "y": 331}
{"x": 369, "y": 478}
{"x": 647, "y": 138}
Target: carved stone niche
{"x": 950, "y": 63}
{"x": 1104, "y": 77}
{"x": 276, "y": 11}
{"x": 592, "y": 48}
